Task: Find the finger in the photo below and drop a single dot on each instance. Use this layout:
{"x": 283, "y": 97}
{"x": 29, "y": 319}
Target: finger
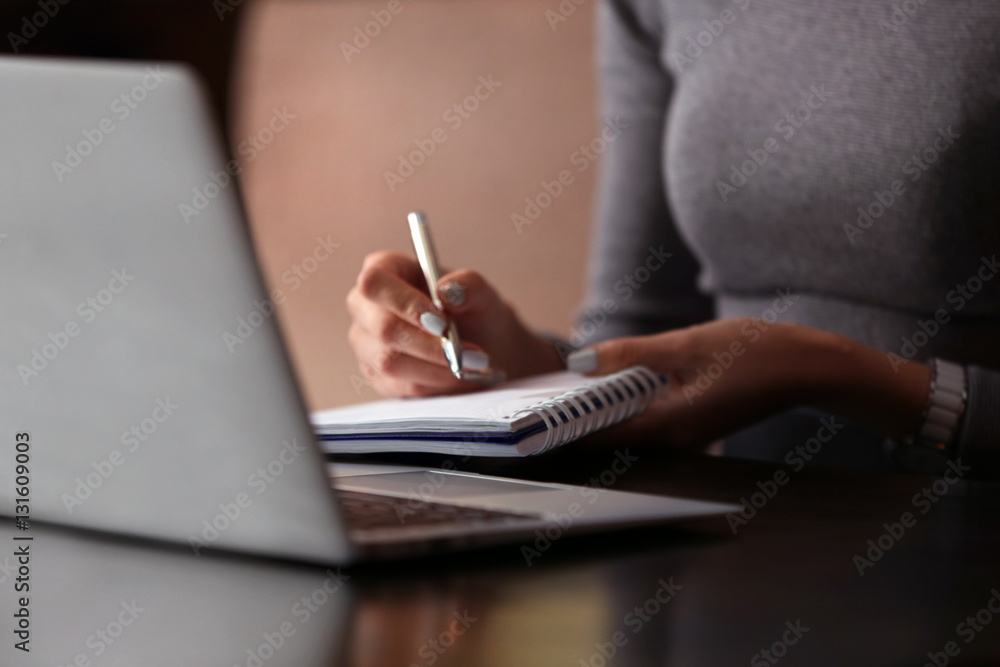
{"x": 405, "y": 266}
{"x": 658, "y": 353}
{"x": 421, "y": 386}
{"x": 395, "y": 335}
{"x": 467, "y": 292}
{"x": 388, "y": 290}
{"x": 396, "y": 372}
{"x": 379, "y": 358}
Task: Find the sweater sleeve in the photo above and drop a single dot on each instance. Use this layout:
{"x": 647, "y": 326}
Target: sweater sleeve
{"x": 979, "y": 441}
{"x": 641, "y": 277}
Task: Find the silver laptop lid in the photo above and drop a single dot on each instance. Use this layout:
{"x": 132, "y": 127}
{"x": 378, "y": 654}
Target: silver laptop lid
{"x": 139, "y": 350}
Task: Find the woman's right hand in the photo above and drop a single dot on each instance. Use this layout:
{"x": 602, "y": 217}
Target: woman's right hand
{"x": 395, "y": 329}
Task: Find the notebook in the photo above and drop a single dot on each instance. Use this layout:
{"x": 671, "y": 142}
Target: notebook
{"x": 516, "y": 418}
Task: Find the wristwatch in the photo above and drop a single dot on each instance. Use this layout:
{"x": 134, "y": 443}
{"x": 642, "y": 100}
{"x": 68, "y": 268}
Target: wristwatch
{"x": 934, "y": 445}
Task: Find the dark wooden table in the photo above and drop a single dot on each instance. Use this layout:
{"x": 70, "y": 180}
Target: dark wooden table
{"x": 786, "y": 588}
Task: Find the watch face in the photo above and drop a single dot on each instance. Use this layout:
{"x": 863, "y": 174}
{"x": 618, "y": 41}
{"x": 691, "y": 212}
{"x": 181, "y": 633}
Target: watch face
{"x": 920, "y": 459}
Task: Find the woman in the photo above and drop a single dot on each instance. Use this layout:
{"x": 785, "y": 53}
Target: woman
{"x": 824, "y": 175}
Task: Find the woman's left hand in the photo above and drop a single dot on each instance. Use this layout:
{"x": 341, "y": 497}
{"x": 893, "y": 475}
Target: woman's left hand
{"x": 729, "y": 374}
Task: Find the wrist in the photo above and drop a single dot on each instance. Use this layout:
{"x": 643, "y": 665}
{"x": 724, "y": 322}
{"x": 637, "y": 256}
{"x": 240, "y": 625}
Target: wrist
{"x": 539, "y": 355}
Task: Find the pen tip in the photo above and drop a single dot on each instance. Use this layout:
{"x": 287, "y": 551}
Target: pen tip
{"x": 416, "y": 217}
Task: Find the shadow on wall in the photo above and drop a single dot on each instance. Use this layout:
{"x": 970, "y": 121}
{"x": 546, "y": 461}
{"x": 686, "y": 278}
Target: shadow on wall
{"x": 350, "y": 114}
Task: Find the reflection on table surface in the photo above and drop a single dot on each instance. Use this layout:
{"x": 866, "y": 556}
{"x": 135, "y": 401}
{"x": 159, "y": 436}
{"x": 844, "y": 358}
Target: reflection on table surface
{"x": 785, "y": 584}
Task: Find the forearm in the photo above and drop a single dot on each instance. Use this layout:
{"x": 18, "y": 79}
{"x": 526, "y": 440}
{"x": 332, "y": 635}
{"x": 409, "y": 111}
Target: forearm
{"x": 859, "y": 383}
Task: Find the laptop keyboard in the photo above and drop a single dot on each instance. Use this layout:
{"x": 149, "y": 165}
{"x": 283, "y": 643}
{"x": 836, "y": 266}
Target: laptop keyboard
{"x": 369, "y": 511}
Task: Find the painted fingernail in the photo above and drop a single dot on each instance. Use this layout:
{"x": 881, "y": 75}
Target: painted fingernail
{"x": 582, "y": 361}
{"x": 474, "y": 360}
{"x": 432, "y": 323}
{"x": 453, "y": 293}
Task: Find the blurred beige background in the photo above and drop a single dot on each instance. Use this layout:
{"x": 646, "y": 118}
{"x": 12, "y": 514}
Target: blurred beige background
{"x": 321, "y": 173}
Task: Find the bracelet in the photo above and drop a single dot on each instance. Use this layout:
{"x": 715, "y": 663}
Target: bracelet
{"x": 934, "y": 445}
{"x": 945, "y": 407}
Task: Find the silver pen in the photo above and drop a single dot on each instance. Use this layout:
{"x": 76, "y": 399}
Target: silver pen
{"x": 422, "y": 243}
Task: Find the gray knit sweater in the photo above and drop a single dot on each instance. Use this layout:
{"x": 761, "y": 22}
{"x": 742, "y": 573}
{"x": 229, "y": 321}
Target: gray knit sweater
{"x": 835, "y": 160}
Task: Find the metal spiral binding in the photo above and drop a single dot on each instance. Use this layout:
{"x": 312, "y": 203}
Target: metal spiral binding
{"x": 605, "y": 402}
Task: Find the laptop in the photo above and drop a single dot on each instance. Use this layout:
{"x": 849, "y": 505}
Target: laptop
{"x": 126, "y": 275}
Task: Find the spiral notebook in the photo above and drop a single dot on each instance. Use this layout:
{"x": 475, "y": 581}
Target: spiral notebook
{"x": 513, "y": 419}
